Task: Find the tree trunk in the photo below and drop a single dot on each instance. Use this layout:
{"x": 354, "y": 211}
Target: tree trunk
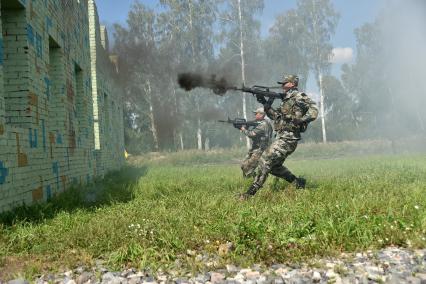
{"x": 241, "y": 134}
{"x": 191, "y": 26}
{"x": 151, "y": 115}
{"x": 419, "y": 117}
{"x": 243, "y": 65}
{"x": 181, "y": 140}
{"x": 318, "y": 70}
{"x": 199, "y": 132}
{"x": 207, "y": 144}
{"x": 324, "y": 134}
{"x": 178, "y": 132}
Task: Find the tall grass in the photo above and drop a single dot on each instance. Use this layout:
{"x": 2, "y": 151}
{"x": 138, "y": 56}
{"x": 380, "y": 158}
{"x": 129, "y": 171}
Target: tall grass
{"x": 180, "y": 214}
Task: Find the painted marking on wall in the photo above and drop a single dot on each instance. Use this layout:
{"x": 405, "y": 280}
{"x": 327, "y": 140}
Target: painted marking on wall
{"x": 33, "y": 102}
{"x": 48, "y": 24}
{"x": 22, "y": 157}
{"x": 55, "y": 169}
{"x": 4, "y": 172}
{"x": 39, "y": 45}
{"x": 37, "y": 194}
{"x": 48, "y": 192}
{"x": 30, "y": 34}
{"x": 48, "y": 84}
{"x": 58, "y": 138}
{"x": 33, "y": 138}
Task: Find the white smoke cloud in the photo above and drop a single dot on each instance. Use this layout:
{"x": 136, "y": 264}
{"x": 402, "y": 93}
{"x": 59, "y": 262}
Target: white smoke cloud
{"x": 342, "y": 55}
{"x": 403, "y": 26}
{"x": 314, "y": 96}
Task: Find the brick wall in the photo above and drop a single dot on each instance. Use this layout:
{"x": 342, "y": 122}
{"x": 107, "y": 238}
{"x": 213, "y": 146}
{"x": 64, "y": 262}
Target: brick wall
{"x": 61, "y": 119}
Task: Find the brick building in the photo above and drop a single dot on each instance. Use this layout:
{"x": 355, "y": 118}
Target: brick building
{"x": 61, "y": 119}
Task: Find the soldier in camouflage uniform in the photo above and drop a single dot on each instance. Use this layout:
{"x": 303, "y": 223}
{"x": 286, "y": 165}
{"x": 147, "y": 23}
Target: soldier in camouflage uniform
{"x": 261, "y": 137}
{"x": 290, "y": 119}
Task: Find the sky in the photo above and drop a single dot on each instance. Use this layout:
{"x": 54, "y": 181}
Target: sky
{"x": 353, "y": 14}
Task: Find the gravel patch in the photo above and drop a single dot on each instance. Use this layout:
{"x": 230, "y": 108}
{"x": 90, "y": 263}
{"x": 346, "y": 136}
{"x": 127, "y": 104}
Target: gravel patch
{"x": 390, "y": 265}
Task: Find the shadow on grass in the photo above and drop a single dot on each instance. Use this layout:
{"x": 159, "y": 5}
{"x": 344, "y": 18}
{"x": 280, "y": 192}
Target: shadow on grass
{"x": 115, "y": 187}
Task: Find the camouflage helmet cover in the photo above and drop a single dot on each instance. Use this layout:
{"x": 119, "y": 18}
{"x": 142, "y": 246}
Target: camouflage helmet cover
{"x": 259, "y": 110}
{"x": 290, "y": 78}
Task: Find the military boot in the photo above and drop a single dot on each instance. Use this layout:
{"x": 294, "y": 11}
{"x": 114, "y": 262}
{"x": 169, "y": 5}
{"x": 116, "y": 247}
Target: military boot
{"x": 300, "y": 183}
{"x": 249, "y": 193}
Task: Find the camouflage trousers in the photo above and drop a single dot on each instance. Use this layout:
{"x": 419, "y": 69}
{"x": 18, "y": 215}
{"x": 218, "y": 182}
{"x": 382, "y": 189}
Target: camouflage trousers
{"x": 249, "y": 165}
{"x": 271, "y": 162}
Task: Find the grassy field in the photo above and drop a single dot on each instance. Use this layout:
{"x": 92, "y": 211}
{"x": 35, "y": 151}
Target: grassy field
{"x": 178, "y": 211}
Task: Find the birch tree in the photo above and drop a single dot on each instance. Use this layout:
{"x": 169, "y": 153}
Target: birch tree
{"x": 136, "y": 49}
{"x": 284, "y": 47}
{"x": 240, "y": 34}
{"x": 191, "y": 23}
{"x": 320, "y": 21}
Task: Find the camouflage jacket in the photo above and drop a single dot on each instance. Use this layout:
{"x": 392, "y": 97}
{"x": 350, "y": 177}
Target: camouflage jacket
{"x": 295, "y": 105}
{"x": 261, "y": 135}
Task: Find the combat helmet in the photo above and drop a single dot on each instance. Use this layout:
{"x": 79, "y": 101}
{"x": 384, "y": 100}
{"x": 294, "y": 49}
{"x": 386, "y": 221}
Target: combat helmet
{"x": 259, "y": 110}
{"x": 290, "y": 78}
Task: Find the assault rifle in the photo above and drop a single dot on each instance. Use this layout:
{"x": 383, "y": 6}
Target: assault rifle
{"x": 240, "y": 122}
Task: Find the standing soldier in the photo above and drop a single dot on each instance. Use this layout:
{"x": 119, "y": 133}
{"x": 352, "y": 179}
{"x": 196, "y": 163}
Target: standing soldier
{"x": 290, "y": 119}
{"x": 261, "y": 137}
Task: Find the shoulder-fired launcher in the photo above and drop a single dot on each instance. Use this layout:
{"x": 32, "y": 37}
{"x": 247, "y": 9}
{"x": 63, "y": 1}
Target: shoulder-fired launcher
{"x": 261, "y": 91}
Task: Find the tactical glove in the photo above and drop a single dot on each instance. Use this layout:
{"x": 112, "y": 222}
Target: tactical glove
{"x": 267, "y": 106}
{"x": 269, "y": 102}
{"x": 261, "y": 99}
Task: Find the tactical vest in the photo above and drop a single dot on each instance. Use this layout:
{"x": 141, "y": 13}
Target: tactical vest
{"x": 291, "y": 107}
{"x": 265, "y": 140}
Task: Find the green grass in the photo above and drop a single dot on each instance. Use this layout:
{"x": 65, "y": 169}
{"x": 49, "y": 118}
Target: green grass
{"x": 178, "y": 208}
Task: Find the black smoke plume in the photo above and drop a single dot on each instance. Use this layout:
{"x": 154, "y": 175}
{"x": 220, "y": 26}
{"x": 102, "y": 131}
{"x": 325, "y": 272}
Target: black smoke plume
{"x": 189, "y": 81}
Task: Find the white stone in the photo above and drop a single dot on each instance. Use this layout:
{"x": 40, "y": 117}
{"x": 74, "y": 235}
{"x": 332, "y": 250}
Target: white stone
{"x": 216, "y": 277}
{"x": 252, "y": 274}
{"x": 330, "y": 274}
{"x": 68, "y": 274}
{"x": 245, "y": 270}
{"x": 316, "y": 277}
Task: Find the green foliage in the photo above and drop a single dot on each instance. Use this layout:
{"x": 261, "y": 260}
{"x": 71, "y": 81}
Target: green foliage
{"x": 319, "y": 20}
{"x": 369, "y": 102}
{"x": 340, "y": 121}
{"x": 283, "y": 48}
{"x": 187, "y": 202}
{"x": 137, "y": 142}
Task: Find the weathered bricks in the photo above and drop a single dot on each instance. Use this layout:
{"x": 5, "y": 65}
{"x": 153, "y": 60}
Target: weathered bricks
{"x": 61, "y": 120}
